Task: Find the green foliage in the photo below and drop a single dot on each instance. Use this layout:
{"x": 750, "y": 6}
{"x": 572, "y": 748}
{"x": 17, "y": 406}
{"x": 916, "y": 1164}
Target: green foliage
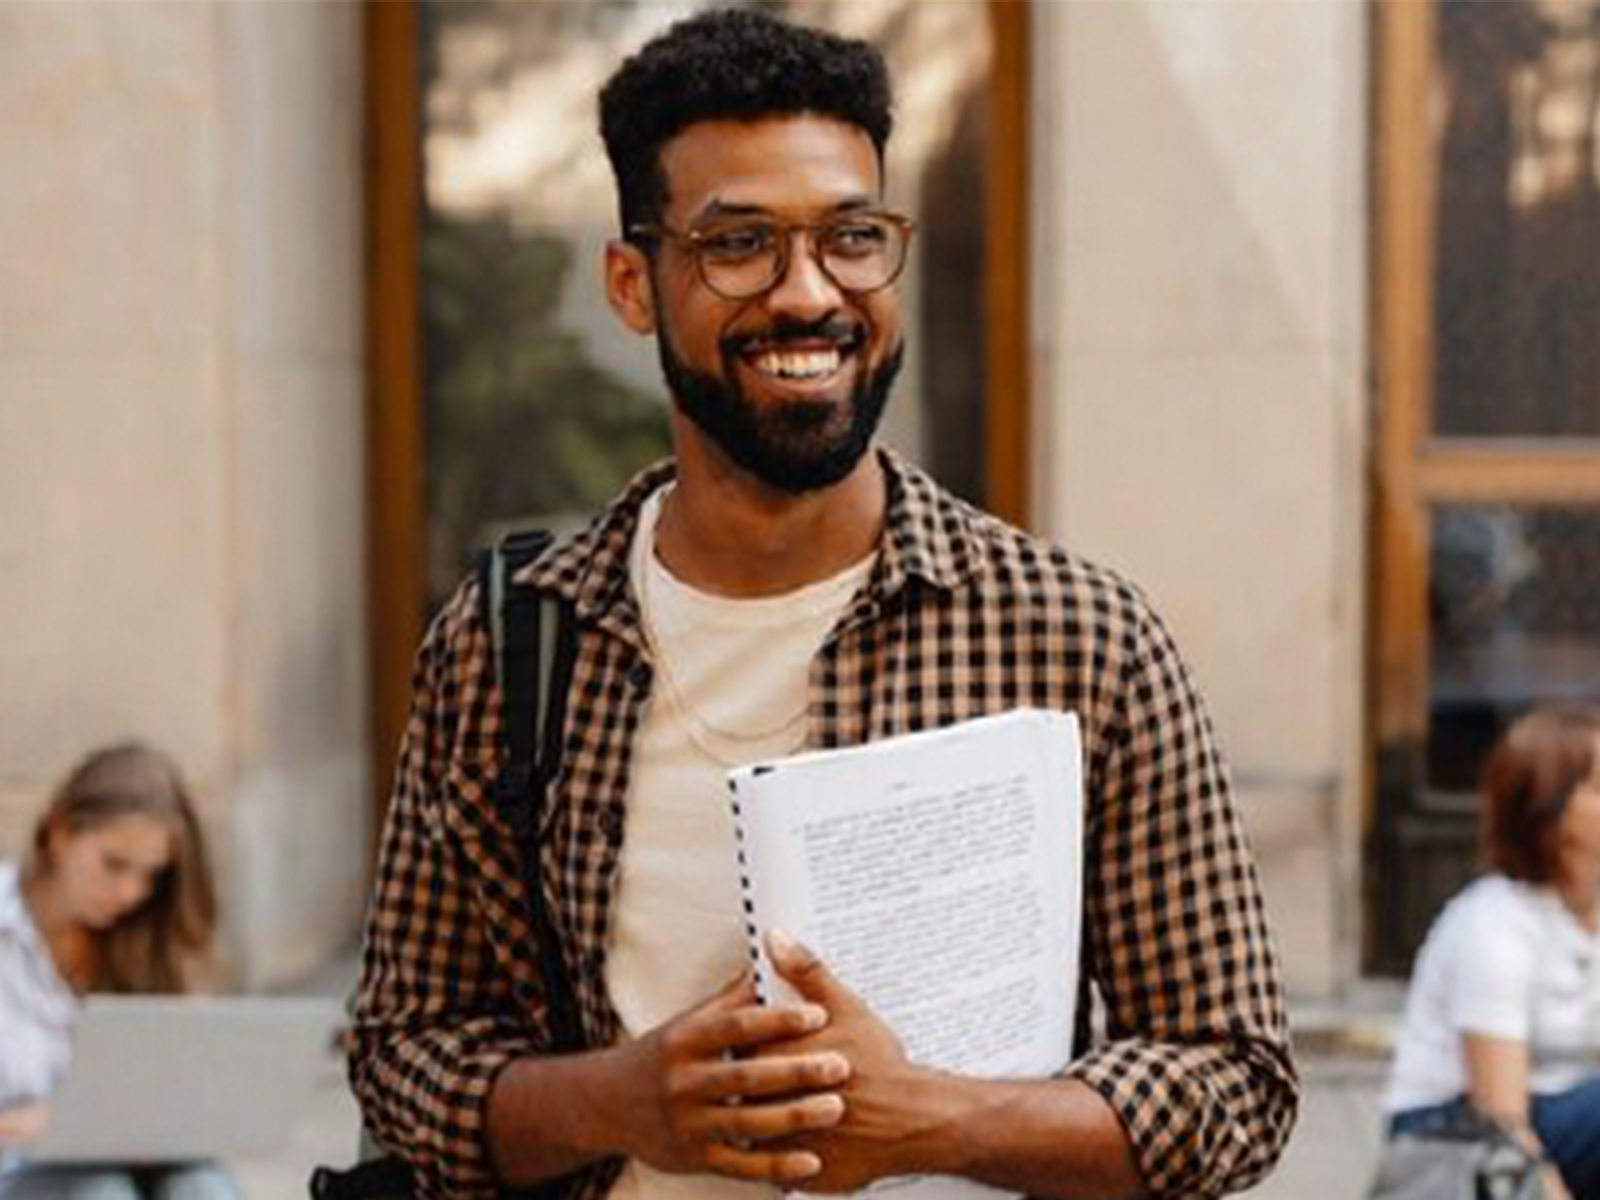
{"x": 521, "y": 424}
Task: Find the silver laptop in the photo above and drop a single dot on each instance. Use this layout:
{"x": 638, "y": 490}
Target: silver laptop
{"x": 174, "y": 1079}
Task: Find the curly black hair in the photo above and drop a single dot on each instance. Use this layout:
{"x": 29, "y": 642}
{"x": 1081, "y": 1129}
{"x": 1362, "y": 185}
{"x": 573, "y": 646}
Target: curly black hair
{"x": 731, "y": 64}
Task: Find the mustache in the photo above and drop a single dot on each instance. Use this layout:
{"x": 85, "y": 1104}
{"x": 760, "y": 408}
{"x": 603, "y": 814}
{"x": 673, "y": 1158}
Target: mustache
{"x": 840, "y": 330}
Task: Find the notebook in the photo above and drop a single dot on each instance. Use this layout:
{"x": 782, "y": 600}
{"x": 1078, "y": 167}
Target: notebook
{"x": 173, "y": 1079}
{"x": 938, "y": 874}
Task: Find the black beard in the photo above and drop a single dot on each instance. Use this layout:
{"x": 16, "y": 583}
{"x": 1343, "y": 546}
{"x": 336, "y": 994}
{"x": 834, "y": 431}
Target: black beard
{"x": 791, "y": 447}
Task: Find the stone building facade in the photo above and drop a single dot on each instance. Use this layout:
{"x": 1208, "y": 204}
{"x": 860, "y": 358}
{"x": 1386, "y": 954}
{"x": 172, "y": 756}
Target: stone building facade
{"x": 182, "y": 439}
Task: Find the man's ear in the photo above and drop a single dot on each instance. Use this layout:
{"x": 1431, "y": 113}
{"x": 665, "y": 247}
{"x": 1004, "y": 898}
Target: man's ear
{"x": 629, "y": 286}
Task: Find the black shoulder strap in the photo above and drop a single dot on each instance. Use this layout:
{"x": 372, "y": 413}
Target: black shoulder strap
{"x": 387, "y": 1178}
{"x": 534, "y": 639}
{"x": 535, "y": 642}
{"x": 523, "y": 625}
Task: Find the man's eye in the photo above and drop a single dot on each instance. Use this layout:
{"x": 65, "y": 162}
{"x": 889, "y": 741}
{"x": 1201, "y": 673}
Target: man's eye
{"x": 737, "y": 243}
{"x": 858, "y": 237}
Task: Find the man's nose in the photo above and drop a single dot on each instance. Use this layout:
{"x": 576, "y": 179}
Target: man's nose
{"x": 804, "y": 289}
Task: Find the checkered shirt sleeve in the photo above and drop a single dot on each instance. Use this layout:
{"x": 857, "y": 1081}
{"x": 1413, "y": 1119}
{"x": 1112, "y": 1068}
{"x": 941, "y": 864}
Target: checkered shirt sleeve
{"x": 435, "y": 1017}
{"x": 1196, "y": 1060}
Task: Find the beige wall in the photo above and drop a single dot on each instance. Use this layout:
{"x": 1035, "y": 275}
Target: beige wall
{"x": 181, "y": 548}
{"x": 1200, "y": 196}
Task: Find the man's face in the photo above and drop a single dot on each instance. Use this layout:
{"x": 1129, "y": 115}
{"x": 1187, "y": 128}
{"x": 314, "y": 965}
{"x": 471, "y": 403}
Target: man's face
{"x": 790, "y": 384}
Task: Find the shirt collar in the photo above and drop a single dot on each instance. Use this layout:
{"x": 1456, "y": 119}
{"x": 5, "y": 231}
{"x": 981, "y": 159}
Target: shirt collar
{"x": 14, "y": 915}
{"x": 928, "y": 535}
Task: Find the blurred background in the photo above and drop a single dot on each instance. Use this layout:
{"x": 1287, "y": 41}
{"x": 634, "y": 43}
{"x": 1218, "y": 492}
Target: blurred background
{"x": 1291, "y": 311}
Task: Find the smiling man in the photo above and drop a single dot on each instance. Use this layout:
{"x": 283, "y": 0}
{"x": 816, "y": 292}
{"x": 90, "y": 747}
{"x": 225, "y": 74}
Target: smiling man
{"x": 783, "y": 584}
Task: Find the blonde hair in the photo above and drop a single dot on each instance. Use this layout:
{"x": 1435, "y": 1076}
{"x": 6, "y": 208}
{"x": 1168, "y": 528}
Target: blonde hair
{"x": 164, "y": 945}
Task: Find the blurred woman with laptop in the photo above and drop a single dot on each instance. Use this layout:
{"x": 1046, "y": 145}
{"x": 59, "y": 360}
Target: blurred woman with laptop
{"x": 115, "y": 895}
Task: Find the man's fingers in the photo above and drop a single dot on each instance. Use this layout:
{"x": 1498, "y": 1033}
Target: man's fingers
{"x": 803, "y": 969}
{"x": 759, "y": 1122}
{"x": 756, "y": 1077}
{"x": 781, "y": 1167}
{"x": 717, "y": 1028}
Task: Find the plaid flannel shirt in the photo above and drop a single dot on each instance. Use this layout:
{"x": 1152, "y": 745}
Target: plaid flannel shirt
{"x": 962, "y": 616}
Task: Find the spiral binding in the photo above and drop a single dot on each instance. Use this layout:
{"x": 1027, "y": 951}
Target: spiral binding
{"x": 747, "y": 891}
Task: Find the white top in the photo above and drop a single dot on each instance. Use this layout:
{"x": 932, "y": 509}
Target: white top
{"x": 730, "y": 689}
{"x": 37, "y": 1008}
{"x": 1505, "y": 960}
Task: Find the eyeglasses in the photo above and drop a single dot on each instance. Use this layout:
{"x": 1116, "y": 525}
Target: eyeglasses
{"x": 744, "y": 257}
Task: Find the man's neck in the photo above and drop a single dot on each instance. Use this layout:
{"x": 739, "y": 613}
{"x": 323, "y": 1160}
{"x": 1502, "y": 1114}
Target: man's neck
{"x": 723, "y": 532}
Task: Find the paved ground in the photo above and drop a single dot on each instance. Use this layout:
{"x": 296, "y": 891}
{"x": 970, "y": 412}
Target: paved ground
{"x": 1330, "y": 1157}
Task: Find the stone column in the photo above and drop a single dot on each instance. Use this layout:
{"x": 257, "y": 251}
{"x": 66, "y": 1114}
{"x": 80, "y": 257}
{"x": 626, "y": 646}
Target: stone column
{"x": 1201, "y": 198}
{"x": 181, "y": 547}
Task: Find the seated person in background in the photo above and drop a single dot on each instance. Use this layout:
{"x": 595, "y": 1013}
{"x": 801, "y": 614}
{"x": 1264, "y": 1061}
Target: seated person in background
{"x": 115, "y": 896}
{"x": 1504, "y": 1010}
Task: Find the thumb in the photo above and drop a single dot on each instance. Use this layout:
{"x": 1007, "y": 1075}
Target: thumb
{"x": 803, "y": 969}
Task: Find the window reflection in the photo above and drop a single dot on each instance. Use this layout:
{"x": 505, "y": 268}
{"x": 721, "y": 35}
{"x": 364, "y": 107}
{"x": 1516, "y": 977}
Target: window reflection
{"x": 1518, "y": 274}
{"x": 1515, "y": 613}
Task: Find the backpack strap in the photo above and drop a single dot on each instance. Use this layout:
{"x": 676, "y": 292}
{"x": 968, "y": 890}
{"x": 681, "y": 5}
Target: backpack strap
{"x": 534, "y": 640}
{"x": 385, "y": 1178}
{"x": 534, "y": 634}
{"x": 522, "y": 633}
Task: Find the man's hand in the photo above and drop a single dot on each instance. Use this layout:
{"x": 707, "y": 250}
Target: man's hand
{"x": 891, "y": 1110}
{"x": 817, "y": 1096}
{"x": 23, "y": 1124}
{"x": 689, "y": 1103}
{"x": 686, "y": 1097}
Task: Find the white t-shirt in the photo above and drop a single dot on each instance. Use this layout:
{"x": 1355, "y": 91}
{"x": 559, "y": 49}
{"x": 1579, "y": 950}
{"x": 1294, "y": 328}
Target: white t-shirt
{"x": 730, "y": 688}
{"x": 37, "y": 1008}
{"x": 1507, "y": 960}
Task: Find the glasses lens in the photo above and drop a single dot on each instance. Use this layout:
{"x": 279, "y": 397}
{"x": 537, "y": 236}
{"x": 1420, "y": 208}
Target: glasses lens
{"x": 863, "y": 253}
{"x": 740, "y": 260}
{"x": 860, "y": 253}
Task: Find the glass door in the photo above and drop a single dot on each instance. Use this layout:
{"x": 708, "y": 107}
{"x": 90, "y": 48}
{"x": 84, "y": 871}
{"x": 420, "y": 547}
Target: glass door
{"x": 1486, "y": 513}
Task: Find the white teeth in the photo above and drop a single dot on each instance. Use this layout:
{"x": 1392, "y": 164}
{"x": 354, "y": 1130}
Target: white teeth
{"x": 810, "y": 364}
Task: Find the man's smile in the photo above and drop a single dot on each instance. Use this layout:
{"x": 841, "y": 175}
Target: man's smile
{"x": 811, "y": 360}
{"x": 798, "y": 364}
{"x": 810, "y": 371}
